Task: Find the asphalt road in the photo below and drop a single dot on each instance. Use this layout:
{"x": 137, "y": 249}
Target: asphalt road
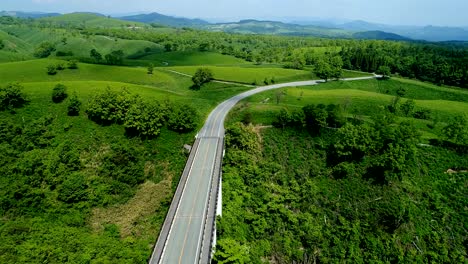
{"x": 186, "y": 233}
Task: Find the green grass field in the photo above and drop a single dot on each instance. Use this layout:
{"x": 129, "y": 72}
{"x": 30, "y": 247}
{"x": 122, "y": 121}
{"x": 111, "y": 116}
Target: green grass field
{"x": 91, "y": 20}
{"x": 187, "y": 58}
{"x": 249, "y": 75}
{"x": 360, "y": 98}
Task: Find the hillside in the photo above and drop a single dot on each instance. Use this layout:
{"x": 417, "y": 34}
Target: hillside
{"x": 379, "y": 35}
{"x": 89, "y": 20}
{"x": 164, "y": 20}
{"x": 429, "y": 33}
{"x": 276, "y": 28}
{"x": 20, "y": 14}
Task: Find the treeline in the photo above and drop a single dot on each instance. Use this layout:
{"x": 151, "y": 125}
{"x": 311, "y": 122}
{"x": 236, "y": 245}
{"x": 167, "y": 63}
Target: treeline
{"x": 439, "y": 64}
{"x": 140, "y": 118}
{"x": 425, "y": 62}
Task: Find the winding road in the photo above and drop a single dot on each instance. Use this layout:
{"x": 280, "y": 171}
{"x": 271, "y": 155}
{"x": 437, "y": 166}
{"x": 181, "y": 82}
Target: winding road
{"x": 187, "y": 233}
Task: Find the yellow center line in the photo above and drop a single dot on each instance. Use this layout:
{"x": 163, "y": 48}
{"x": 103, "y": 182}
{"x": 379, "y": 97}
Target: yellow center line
{"x": 193, "y": 207}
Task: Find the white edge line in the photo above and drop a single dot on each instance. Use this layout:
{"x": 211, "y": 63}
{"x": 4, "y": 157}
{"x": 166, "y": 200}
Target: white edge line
{"x": 178, "y": 205}
{"x": 200, "y": 235}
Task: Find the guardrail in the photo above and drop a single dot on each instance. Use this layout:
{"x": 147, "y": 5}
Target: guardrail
{"x": 210, "y": 215}
{"x": 165, "y": 230}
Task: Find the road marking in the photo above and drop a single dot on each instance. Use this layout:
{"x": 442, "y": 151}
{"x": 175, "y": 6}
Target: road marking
{"x": 193, "y": 204}
{"x": 200, "y": 235}
{"x": 213, "y": 120}
{"x": 178, "y": 205}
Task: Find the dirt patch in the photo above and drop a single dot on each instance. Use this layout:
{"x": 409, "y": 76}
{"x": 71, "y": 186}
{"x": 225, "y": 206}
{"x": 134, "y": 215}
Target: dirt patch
{"x": 132, "y": 218}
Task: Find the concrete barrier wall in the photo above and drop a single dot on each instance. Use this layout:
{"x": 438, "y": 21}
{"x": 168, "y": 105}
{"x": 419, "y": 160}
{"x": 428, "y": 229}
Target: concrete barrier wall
{"x": 164, "y": 233}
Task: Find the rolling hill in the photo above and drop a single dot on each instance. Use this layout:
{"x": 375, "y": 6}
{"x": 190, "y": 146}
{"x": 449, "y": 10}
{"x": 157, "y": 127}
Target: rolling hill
{"x": 90, "y": 19}
{"x": 20, "y": 14}
{"x": 379, "y": 35}
{"x": 165, "y": 20}
{"x": 277, "y": 28}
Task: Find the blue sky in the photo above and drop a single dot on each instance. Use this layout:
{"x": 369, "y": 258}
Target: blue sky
{"x": 396, "y": 12}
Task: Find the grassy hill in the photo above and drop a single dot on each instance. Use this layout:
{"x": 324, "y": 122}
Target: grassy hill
{"x": 89, "y": 20}
{"x": 22, "y": 41}
{"x": 186, "y": 58}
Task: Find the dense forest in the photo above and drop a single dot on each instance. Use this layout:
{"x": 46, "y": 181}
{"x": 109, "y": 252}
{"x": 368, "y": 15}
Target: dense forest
{"x": 320, "y": 189}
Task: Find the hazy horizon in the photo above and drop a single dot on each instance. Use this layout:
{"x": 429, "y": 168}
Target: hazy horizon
{"x": 397, "y": 12}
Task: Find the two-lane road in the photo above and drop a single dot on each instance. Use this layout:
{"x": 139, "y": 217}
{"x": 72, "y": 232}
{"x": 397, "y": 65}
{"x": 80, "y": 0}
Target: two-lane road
{"x": 186, "y": 235}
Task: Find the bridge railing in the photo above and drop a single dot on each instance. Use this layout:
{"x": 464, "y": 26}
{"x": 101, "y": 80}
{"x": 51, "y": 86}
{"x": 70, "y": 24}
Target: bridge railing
{"x": 158, "y": 249}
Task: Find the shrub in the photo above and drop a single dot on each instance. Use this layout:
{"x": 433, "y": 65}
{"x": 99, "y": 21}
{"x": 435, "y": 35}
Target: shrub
{"x": 59, "y": 93}
{"x": 110, "y": 106}
{"x": 44, "y": 50}
{"x": 63, "y": 53}
{"x": 12, "y": 96}
{"x": 60, "y": 67}
{"x": 74, "y": 106}
{"x": 73, "y": 64}
{"x": 51, "y": 70}
{"x": 73, "y": 189}
{"x": 183, "y": 119}
{"x": 150, "y": 68}
{"x": 423, "y": 114}
{"x": 145, "y": 119}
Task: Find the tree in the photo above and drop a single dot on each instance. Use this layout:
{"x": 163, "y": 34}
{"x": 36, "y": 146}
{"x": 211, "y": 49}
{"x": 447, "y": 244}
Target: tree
{"x": 229, "y": 251}
{"x": 115, "y": 57}
{"x": 183, "y": 118}
{"x": 336, "y": 64}
{"x": 457, "y": 130}
{"x": 74, "y": 106}
{"x": 59, "y": 93}
{"x": 2, "y": 45}
{"x": 51, "y": 69}
{"x": 315, "y": 118}
{"x": 407, "y": 108}
{"x": 95, "y": 55}
{"x": 12, "y": 96}
{"x": 202, "y": 76}
{"x": 44, "y": 50}
{"x": 384, "y": 71}
{"x": 150, "y": 68}
{"x": 110, "y": 107}
{"x": 323, "y": 69}
{"x": 145, "y": 119}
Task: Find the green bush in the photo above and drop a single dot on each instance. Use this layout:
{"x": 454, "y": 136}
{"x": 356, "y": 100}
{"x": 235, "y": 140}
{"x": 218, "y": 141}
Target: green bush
{"x": 73, "y": 189}
{"x": 110, "y": 107}
{"x": 51, "y": 70}
{"x": 12, "y": 96}
{"x": 60, "y": 67}
{"x": 74, "y": 106}
{"x": 145, "y": 119}
{"x": 59, "y": 93}
{"x": 44, "y": 50}
{"x": 183, "y": 118}
{"x": 73, "y": 64}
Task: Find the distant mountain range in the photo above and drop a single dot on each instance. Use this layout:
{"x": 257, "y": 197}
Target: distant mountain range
{"x": 20, "y": 14}
{"x": 333, "y": 28}
{"x": 164, "y": 20}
